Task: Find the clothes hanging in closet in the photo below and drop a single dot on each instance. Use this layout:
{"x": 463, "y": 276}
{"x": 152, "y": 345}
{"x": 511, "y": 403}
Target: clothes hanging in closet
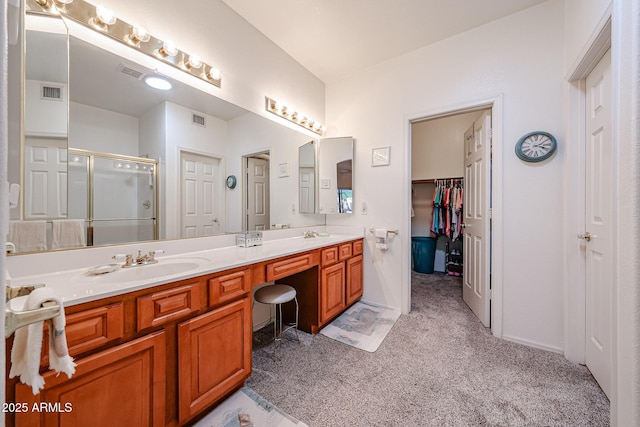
{"x": 447, "y": 202}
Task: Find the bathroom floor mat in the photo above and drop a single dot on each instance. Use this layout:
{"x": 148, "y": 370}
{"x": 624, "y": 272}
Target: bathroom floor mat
{"x": 363, "y": 326}
{"x": 246, "y": 408}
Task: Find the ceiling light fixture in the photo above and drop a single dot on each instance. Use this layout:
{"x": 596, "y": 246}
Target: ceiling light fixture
{"x": 295, "y": 116}
{"x": 158, "y": 83}
{"x": 105, "y": 21}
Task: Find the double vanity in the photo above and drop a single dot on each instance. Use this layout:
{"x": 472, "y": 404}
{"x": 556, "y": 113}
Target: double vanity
{"x": 162, "y": 344}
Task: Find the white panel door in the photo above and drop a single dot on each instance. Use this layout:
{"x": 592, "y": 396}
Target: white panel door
{"x": 307, "y": 189}
{"x": 45, "y": 177}
{"x": 199, "y": 195}
{"x": 257, "y": 194}
{"x": 599, "y": 217}
{"x": 477, "y": 163}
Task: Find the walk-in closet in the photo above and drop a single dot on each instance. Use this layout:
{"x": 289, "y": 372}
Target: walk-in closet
{"x": 441, "y": 153}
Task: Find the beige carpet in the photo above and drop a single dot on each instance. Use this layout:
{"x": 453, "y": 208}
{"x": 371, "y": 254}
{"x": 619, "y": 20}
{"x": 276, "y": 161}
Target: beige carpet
{"x": 438, "y": 366}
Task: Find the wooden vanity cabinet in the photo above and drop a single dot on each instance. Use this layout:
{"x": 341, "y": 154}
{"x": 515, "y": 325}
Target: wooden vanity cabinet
{"x": 214, "y": 353}
{"x": 155, "y": 357}
{"x": 165, "y": 355}
{"x": 121, "y": 386}
{"x": 341, "y": 281}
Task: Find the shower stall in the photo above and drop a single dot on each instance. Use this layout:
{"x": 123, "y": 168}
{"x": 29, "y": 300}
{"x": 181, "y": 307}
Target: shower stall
{"x": 116, "y": 195}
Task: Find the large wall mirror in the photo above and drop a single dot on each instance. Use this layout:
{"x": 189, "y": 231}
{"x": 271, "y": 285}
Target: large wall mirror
{"x": 98, "y": 149}
{"x": 326, "y": 176}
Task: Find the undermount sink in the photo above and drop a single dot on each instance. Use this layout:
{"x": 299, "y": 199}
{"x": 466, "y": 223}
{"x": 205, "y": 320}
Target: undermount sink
{"x": 152, "y": 271}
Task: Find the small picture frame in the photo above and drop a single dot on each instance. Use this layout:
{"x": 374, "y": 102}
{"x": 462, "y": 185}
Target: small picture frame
{"x": 283, "y": 170}
{"x": 381, "y": 156}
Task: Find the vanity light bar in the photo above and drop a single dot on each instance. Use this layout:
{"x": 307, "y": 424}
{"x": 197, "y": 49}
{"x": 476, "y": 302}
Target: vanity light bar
{"x": 107, "y": 23}
{"x": 294, "y": 116}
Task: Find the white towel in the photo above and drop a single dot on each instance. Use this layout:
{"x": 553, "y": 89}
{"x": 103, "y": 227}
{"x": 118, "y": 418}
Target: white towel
{"x": 68, "y": 233}
{"x": 25, "y": 354}
{"x": 28, "y": 236}
{"x": 381, "y": 238}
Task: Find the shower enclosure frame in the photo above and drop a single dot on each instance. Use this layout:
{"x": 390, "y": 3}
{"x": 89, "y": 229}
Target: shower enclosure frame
{"x": 90, "y": 169}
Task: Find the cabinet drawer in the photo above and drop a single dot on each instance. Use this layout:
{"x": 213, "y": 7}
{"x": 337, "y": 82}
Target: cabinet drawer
{"x": 279, "y": 269}
{"x": 329, "y": 256}
{"x": 358, "y": 247}
{"x": 161, "y": 307}
{"x": 230, "y": 286}
{"x": 90, "y": 329}
{"x": 344, "y": 251}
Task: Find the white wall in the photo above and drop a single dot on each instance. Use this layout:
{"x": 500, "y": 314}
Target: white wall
{"x": 580, "y": 19}
{"x": 152, "y": 143}
{"x": 437, "y": 146}
{"x": 102, "y": 131}
{"x": 45, "y": 117}
{"x": 625, "y": 407}
{"x": 249, "y": 134}
{"x": 252, "y": 65}
{"x": 526, "y": 68}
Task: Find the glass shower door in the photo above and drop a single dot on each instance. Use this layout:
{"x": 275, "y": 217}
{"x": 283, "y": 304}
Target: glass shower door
{"x": 123, "y": 200}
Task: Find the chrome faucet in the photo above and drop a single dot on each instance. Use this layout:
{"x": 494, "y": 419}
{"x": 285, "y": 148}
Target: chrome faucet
{"x": 131, "y": 261}
{"x": 310, "y": 233}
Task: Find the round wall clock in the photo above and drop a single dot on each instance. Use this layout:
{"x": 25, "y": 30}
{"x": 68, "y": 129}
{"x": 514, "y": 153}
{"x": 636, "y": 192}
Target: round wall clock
{"x": 231, "y": 181}
{"x": 536, "y": 146}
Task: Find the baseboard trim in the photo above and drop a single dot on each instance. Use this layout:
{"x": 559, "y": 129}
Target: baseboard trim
{"x": 534, "y": 344}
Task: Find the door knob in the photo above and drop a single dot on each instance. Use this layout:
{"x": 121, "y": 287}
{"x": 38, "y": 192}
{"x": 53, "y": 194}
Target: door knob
{"x": 586, "y": 236}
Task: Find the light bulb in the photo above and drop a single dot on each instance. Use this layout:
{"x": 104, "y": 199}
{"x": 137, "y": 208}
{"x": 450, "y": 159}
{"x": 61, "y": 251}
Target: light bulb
{"x": 168, "y": 49}
{"x": 214, "y": 73}
{"x": 194, "y": 62}
{"x": 139, "y": 34}
{"x": 105, "y": 15}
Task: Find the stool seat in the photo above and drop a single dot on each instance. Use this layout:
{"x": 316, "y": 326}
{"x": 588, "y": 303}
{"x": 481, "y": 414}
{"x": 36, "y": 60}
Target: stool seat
{"x": 275, "y": 294}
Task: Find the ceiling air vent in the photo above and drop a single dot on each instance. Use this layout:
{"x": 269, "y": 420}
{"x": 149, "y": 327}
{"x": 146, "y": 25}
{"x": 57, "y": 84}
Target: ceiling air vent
{"x": 136, "y": 74}
{"x": 51, "y": 93}
{"x": 197, "y": 120}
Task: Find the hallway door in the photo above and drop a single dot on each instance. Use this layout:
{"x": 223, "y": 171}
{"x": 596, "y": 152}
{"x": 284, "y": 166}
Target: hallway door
{"x": 199, "y": 195}
{"x": 599, "y": 219}
{"x": 257, "y": 194}
{"x": 476, "y": 271}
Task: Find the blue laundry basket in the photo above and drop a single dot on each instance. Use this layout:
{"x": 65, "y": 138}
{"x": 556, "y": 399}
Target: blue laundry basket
{"x": 423, "y": 250}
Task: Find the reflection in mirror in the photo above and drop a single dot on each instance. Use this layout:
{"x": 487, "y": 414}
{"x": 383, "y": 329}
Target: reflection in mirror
{"x": 307, "y": 177}
{"x": 335, "y": 164}
{"x": 114, "y": 115}
{"x": 45, "y": 124}
{"x": 345, "y": 181}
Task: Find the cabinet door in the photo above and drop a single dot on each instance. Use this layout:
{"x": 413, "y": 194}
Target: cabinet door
{"x": 122, "y": 386}
{"x": 214, "y": 353}
{"x": 332, "y": 291}
{"x": 354, "y": 279}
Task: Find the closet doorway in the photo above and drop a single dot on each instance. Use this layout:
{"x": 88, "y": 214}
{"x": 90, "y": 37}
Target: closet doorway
{"x": 451, "y": 198}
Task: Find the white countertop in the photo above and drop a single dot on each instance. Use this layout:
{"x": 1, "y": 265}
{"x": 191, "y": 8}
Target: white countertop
{"x": 77, "y": 286}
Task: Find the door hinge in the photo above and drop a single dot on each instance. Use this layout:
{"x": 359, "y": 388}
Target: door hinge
{"x": 489, "y": 294}
{"x": 490, "y": 133}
